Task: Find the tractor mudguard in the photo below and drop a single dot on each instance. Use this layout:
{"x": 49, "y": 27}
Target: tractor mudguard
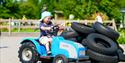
{"x": 39, "y": 48}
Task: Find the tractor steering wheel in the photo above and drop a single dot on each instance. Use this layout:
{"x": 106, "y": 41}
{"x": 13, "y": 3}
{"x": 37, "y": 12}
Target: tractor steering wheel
{"x": 54, "y": 30}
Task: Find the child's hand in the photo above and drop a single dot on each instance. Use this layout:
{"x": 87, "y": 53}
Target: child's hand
{"x": 61, "y": 26}
{"x": 49, "y": 28}
{"x": 46, "y": 28}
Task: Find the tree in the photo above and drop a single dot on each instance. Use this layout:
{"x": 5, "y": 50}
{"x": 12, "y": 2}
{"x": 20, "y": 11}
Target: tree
{"x": 110, "y": 8}
{"x": 9, "y": 9}
{"x": 30, "y": 9}
{"x": 82, "y": 9}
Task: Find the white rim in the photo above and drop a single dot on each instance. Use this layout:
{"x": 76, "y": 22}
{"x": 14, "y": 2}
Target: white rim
{"x": 27, "y": 54}
{"x": 59, "y": 61}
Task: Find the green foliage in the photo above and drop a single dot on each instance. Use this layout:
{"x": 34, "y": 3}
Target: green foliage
{"x": 110, "y": 8}
{"x": 82, "y": 9}
{"x": 28, "y": 10}
{"x": 121, "y": 39}
{"x": 4, "y": 13}
{"x": 9, "y": 9}
{"x": 17, "y": 9}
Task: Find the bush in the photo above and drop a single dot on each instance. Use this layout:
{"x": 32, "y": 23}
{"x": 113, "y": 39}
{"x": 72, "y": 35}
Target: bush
{"x": 121, "y": 39}
{"x": 4, "y": 30}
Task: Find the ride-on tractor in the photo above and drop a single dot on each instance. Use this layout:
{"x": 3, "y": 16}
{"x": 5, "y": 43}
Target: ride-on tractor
{"x": 62, "y": 51}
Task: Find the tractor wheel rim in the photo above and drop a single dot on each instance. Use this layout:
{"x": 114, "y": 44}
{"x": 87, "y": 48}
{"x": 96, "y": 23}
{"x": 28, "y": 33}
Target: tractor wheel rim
{"x": 59, "y": 61}
{"x": 27, "y": 54}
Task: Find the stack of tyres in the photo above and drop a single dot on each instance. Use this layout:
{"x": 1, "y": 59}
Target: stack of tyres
{"x": 112, "y": 35}
{"x": 100, "y": 40}
{"x": 101, "y": 48}
{"x": 77, "y": 31}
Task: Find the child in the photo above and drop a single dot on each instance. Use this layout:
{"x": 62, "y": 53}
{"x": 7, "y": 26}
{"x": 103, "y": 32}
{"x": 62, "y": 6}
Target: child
{"x": 45, "y": 27}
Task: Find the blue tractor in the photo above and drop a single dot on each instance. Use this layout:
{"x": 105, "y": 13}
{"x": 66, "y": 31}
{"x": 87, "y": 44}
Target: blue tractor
{"x": 62, "y": 51}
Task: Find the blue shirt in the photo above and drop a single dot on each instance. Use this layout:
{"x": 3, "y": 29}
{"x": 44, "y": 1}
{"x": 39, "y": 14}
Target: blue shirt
{"x": 45, "y": 32}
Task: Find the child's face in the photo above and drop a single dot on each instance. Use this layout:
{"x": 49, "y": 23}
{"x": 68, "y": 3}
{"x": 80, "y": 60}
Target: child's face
{"x": 47, "y": 19}
{"x": 97, "y": 14}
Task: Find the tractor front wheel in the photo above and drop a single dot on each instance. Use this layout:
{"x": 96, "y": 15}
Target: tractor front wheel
{"x": 60, "y": 59}
{"x": 27, "y": 53}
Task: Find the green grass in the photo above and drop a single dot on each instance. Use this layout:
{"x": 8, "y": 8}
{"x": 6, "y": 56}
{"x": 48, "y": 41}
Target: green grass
{"x": 25, "y": 30}
{"x": 21, "y": 30}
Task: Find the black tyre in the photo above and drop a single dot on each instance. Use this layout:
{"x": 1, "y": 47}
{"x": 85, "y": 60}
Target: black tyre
{"x": 121, "y": 56}
{"x": 95, "y": 42}
{"x": 72, "y": 39}
{"x": 27, "y": 53}
{"x": 121, "y": 49}
{"x": 69, "y": 34}
{"x": 105, "y": 30}
{"x": 84, "y": 42}
{"x": 60, "y": 59}
{"x": 81, "y": 28}
{"x": 100, "y": 57}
